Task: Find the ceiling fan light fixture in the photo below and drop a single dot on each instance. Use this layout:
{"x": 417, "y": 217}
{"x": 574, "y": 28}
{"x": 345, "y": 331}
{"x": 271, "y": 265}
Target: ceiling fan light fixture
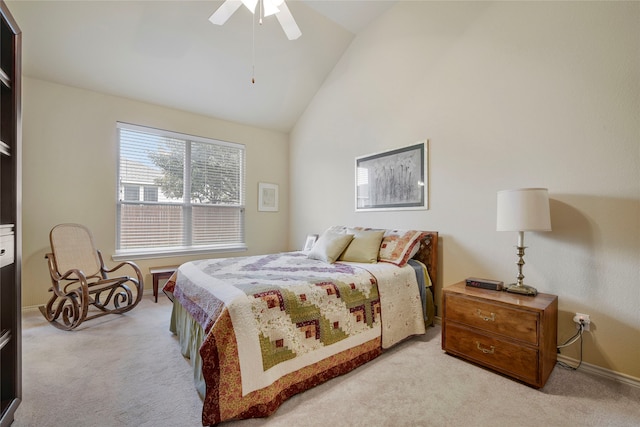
{"x": 270, "y": 7}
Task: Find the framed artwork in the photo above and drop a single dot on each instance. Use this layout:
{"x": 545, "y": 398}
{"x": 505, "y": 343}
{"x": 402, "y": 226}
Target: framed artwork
{"x": 311, "y": 240}
{"x": 393, "y": 180}
{"x": 267, "y": 197}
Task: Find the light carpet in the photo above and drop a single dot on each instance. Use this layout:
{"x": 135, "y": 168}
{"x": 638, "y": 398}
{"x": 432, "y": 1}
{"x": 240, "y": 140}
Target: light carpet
{"x": 127, "y": 370}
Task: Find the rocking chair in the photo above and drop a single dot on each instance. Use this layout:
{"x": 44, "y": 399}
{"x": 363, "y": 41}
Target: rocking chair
{"x": 80, "y": 280}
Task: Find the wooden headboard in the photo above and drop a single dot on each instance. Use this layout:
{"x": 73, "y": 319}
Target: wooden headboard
{"x": 428, "y": 254}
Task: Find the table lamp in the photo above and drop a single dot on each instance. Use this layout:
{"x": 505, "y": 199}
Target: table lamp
{"x": 524, "y": 209}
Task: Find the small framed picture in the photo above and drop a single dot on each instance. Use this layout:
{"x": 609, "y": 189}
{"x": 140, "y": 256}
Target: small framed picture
{"x": 311, "y": 240}
{"x": 267, "y": 197}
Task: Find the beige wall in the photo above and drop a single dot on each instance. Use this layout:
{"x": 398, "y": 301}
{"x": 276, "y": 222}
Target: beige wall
{"x": 69, "y": 172}
{"x": 510, "y": 94}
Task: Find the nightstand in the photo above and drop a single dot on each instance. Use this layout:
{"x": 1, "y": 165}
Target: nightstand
{"x": 159, "y": 273}
{"x": 512, "y": 334}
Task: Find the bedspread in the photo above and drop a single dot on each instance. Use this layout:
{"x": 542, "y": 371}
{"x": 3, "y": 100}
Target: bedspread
{"x": 289, "y": 312}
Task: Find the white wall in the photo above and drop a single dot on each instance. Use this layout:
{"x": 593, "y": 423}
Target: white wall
{"x": 510, "y": 94}
{"x": 69, "y": 173}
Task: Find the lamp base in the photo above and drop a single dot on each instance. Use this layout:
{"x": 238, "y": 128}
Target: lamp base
{"x": 522, "y": 289}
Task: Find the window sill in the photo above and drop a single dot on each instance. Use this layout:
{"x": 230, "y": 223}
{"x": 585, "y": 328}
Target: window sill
{"x": 151, "y": 253}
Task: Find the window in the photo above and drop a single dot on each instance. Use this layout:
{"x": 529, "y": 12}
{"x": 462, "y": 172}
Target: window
{"x": 178, "y": 193}
{"x": 131, "y": 192}
{"x": 150, "y": 194}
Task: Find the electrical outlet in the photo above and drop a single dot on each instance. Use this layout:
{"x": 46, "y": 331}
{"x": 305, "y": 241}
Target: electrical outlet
{"x": 582, "y": 318}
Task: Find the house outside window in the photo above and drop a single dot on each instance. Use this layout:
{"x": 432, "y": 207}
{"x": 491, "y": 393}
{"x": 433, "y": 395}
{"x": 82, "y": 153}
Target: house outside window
{"x": 178, "y": 194}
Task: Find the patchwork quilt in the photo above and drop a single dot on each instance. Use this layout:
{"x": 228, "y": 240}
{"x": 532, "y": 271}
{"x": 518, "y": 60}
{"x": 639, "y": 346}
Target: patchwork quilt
{"x": 289, "y": 314}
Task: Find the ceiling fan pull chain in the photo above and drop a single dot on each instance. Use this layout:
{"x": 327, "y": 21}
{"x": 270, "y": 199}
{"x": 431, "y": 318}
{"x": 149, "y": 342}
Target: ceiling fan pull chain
{"x": 253, "y": 50}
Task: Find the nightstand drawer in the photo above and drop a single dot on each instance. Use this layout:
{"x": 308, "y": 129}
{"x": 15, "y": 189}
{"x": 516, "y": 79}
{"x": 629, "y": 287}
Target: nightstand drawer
{"x": 495, "y": 318}
{"x": 518, "y": 361}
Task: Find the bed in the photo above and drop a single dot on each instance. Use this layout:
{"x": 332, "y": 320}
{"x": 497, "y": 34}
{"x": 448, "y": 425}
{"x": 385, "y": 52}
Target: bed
{"x": 259, "y": 329}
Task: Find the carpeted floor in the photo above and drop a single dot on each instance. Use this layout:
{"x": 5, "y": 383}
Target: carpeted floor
{"x": 127, "y": 371}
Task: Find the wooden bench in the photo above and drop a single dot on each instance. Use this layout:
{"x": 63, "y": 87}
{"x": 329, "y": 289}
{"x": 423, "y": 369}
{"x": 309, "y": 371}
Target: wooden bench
{"x": 158, "y": 273}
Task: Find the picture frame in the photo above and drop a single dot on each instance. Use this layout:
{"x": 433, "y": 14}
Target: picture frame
{"x": 309, "y": 242}
{"x": 393, "y": 179}
{"x": 267, "y": 197}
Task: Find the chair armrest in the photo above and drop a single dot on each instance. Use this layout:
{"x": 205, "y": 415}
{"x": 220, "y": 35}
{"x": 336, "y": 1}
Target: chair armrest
{"x": 57, "y": 276}
{"x": 131, "y": 264}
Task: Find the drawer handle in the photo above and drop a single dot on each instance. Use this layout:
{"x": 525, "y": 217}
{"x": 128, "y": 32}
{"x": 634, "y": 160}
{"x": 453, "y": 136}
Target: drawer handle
{"x": 2, "y": 252}
{"x": 490, "y": 350}
{"x": 486, "y": 318}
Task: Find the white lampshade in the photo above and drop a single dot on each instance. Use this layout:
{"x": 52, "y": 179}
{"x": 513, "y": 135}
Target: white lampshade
{"x": 524, "y": 209}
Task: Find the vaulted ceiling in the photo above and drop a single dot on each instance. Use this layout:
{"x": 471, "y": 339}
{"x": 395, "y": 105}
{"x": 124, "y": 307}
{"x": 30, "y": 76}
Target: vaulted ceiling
{"x": 168, "y": 53}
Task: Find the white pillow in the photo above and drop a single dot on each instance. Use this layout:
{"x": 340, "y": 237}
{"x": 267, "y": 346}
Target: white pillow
{"x": 329, "y": 246}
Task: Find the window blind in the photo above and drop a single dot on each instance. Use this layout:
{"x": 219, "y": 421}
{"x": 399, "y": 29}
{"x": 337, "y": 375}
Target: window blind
{"x": 178, "y": 192}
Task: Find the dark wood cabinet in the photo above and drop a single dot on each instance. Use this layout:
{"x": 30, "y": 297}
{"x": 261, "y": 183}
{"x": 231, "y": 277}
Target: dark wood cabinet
{"x": 10, "y": 221}
{"x": 513, "y": 334}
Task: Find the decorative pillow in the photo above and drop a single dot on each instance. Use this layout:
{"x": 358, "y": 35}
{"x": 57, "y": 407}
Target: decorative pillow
{"x": 344, "y": 229}
{"x": 397, "y": 245}
{"x": 364, "y": 247}
{"x": 329, "y": 246}
{"x": 338, "y": 229}
{"x": 415, "y": 249}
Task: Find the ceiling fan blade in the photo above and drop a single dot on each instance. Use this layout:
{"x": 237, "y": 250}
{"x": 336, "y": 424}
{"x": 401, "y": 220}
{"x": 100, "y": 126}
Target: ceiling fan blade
{"x": 270, "y": 8}
{"x": 250, "y": 4}
{"x": 225, "y": 11}
{"x": 287, "y": 22}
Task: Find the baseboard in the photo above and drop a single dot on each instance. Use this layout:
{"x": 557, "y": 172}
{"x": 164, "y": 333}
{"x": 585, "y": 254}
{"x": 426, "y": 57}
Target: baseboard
{"x": 30, "y": 308}
{"x": 602, "y": 372}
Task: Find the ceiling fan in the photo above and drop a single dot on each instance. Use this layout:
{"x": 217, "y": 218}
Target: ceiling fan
{"x": 267, "y": 8}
